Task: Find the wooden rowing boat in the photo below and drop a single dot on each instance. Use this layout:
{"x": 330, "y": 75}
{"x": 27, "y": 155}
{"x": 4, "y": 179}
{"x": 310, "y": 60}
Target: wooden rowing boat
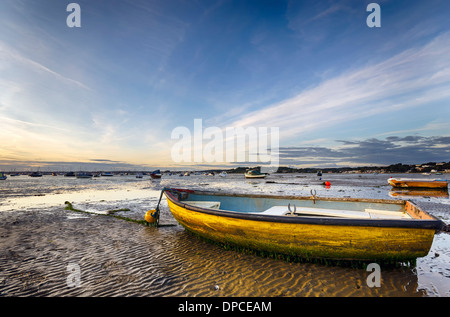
{"x": 418, "y": 183}
{"x": 308, "y": 227}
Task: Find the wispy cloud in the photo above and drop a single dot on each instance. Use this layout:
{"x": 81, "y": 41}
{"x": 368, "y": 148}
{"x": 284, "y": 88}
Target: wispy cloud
{"x": 9, "y": 55}
{"x": 393, "y": 149}
{"x": 411, "y": 78}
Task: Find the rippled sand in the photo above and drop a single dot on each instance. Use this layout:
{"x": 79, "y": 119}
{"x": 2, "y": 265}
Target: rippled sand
{"x": 120, "y": 258}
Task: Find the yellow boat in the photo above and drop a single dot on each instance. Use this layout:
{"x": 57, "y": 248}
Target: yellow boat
{"x": 308, "y": 227}
{"x": 418, "y": 183}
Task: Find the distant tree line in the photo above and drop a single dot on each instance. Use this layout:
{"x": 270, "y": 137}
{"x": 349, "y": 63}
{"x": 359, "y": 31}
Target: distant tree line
{"x": 393, "y": 168}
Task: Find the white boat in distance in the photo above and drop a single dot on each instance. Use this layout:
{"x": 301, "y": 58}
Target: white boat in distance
{"x": 254, "y": 174}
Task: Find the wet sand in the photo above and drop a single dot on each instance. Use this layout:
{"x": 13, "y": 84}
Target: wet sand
{"x": 121, "y": 258}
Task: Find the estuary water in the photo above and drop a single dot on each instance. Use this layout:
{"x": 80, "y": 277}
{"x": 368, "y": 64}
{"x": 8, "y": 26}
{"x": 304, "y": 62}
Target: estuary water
{"x": 40, "y": 240}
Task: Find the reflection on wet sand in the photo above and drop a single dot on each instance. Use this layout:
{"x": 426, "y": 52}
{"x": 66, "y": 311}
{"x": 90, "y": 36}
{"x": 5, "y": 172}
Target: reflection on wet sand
{"x": 408, "y": 193}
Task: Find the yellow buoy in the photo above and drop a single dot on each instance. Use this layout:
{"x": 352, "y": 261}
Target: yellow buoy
{"x": 150, "y": 216}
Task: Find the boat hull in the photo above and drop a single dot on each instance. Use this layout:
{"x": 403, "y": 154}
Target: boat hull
{"x": 255, "y": 175}
{"x": 403, "y": 183}
{"x": 341, "y": 240}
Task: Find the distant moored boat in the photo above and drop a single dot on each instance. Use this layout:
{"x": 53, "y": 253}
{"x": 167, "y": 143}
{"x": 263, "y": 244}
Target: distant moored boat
{"x": 84, "y": 175}
{"x": 418, "y": 183}
{"x": 155, "y": 174}
{"x": 254, "y": 174}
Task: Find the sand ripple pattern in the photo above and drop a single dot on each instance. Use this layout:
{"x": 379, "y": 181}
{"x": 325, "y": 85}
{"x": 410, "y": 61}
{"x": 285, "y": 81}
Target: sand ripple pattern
{"x": 119, "y": 258}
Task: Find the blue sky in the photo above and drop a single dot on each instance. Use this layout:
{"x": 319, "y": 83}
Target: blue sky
{"x": 112, "y": 91}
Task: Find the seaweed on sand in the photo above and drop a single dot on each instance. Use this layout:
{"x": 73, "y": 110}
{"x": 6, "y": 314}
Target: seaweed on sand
{"x": 69, "y": 206}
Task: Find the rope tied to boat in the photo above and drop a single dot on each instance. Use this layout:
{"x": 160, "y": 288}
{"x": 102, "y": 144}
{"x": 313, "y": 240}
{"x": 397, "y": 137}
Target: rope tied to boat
{"x": 152, "y": 216}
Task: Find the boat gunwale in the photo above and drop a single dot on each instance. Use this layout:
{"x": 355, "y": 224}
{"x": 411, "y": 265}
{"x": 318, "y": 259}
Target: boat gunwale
{"x": 433, "y": 223}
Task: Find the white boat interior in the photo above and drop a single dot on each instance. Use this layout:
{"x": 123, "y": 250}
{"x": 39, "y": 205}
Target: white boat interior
{"x": 292, "y": 210}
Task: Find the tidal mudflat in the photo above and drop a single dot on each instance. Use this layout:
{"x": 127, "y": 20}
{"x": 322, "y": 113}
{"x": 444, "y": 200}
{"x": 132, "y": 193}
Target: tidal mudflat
{"x": 41, "y": 242}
